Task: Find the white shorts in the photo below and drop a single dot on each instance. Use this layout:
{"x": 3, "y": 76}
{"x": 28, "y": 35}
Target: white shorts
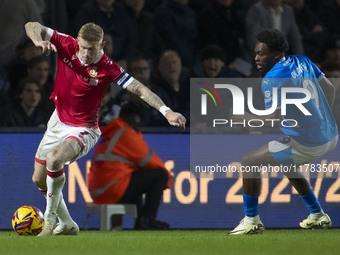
{"x": 57, "y": 132}
{"x": 288, "y": 151}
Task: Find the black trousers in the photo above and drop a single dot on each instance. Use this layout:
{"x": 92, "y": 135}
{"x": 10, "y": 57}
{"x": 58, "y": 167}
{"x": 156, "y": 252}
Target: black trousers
{"x": 150, "y": 182}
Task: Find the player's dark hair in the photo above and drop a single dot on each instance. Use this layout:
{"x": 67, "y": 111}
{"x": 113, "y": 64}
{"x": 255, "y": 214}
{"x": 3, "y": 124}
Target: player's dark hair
{"x": 274, "y": 39}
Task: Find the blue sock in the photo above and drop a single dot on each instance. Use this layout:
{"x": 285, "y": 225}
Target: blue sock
{"x": 250, "y": 205}
{"x": 311, "y": 203}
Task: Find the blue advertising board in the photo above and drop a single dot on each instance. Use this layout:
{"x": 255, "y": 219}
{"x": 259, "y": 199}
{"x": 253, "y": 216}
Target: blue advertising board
{"x": 193, "y": 202}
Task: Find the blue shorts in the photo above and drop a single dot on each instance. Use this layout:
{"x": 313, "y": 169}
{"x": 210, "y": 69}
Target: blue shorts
{"x": 288, "y": 151}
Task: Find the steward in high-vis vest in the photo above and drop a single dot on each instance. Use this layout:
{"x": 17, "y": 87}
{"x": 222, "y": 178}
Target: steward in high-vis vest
{"x": 124, "y": 168}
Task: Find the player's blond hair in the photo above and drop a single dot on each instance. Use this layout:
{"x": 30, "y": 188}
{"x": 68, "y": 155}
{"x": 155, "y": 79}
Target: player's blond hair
{"x": 91, "y": 32}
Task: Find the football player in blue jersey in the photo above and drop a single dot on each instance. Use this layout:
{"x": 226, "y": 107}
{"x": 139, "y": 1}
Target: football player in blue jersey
{"x": 312, "y": 133}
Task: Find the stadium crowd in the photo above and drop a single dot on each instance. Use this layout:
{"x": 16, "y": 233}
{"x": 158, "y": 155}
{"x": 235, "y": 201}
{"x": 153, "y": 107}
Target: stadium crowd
{"x": 160, "y": 42}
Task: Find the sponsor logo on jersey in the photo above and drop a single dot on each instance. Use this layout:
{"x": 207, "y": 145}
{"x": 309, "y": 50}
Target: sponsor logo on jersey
{"x": 94, "y": 82}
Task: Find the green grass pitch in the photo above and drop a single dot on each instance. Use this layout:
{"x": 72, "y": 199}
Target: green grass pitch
{"x": 273, "y": 242}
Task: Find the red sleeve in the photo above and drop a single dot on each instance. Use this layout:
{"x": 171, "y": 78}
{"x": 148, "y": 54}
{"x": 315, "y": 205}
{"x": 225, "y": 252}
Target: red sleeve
{"x": 118, "y": 75}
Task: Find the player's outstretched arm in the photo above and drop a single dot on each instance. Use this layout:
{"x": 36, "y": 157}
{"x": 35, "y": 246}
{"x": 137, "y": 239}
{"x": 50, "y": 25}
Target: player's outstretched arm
{"x": 328, "y": 90}
{"x": 36, "y": 32}
{"x": 174, "y": 118}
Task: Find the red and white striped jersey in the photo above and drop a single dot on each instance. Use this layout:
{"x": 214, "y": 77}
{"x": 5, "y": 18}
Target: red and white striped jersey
{"x": 79, "y": 88}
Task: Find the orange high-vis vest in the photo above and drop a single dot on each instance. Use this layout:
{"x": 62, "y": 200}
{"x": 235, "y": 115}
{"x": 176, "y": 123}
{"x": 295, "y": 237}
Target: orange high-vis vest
{"x": 120, "y": 151}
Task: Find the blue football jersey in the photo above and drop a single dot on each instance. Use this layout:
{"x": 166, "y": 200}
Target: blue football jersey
{"x": 298, "y": 71}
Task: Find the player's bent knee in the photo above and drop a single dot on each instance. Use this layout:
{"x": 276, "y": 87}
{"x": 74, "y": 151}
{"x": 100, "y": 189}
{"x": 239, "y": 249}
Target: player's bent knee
{"x": 53, "y": 162}
{"x": 39, "y": 182}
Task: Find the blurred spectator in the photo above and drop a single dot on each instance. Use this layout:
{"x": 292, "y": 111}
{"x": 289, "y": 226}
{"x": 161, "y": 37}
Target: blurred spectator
{"x": 112, "y": 17}
{"x": 13, "y": 16}
{"x": 72, "y": 8}
{"x": 218, "y": 24}
{"x": 331, "y": 53}
{"x": 176, "y": 25}
{"x": 140, "y": 69}
{"x": 315, "y": 4}
{"x": 17, "y": 69}
{"x": 171, "y": 83}
{"x": 54, "y": 13}
{"x": 25, "y": 111}
{"x": 329, "y": 14}
{"x": 213, "y": 64}
{"x": 313, "y": 33}
{"x": 38, "y": 69}
{"x": 108, "y": 50}
{"x": 108, "y": 109}
{"x": 108, "y": 47}
{"x": 151, "y": 5}
{"x": 136, "y": 170}
{"x": 273, "y": 14}
{"x": 198, "y": 5}
{"x": 241, "y": 7}
{"x": 149, "y": 42}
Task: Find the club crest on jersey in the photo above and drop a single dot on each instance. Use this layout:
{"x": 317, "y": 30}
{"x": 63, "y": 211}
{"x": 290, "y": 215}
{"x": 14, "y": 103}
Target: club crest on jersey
{"x": 94, "y": 71}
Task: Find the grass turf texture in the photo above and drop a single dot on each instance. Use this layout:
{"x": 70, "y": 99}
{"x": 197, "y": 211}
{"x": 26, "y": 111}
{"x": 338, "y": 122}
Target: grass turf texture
{"x": 175, "y": 242}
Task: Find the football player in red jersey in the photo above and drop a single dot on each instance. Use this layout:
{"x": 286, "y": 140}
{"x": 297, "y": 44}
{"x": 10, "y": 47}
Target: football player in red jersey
{"x": 84, "y": 73}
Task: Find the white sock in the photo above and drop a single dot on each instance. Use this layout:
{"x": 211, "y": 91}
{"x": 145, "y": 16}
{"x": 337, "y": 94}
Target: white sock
{"x": 252, "y": 220}
{"x": 316, "y": 216}
{"x": 62, "y": 212}
{"x": 53, "y": 196}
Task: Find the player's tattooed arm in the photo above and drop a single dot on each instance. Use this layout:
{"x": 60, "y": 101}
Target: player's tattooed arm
{"x": 37, "y": 32}
{"x": 174, "y": 118}
{"x": 146, "y": 94}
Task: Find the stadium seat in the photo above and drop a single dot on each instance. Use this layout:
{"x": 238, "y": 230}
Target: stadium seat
{"x": 105, "y": 212}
